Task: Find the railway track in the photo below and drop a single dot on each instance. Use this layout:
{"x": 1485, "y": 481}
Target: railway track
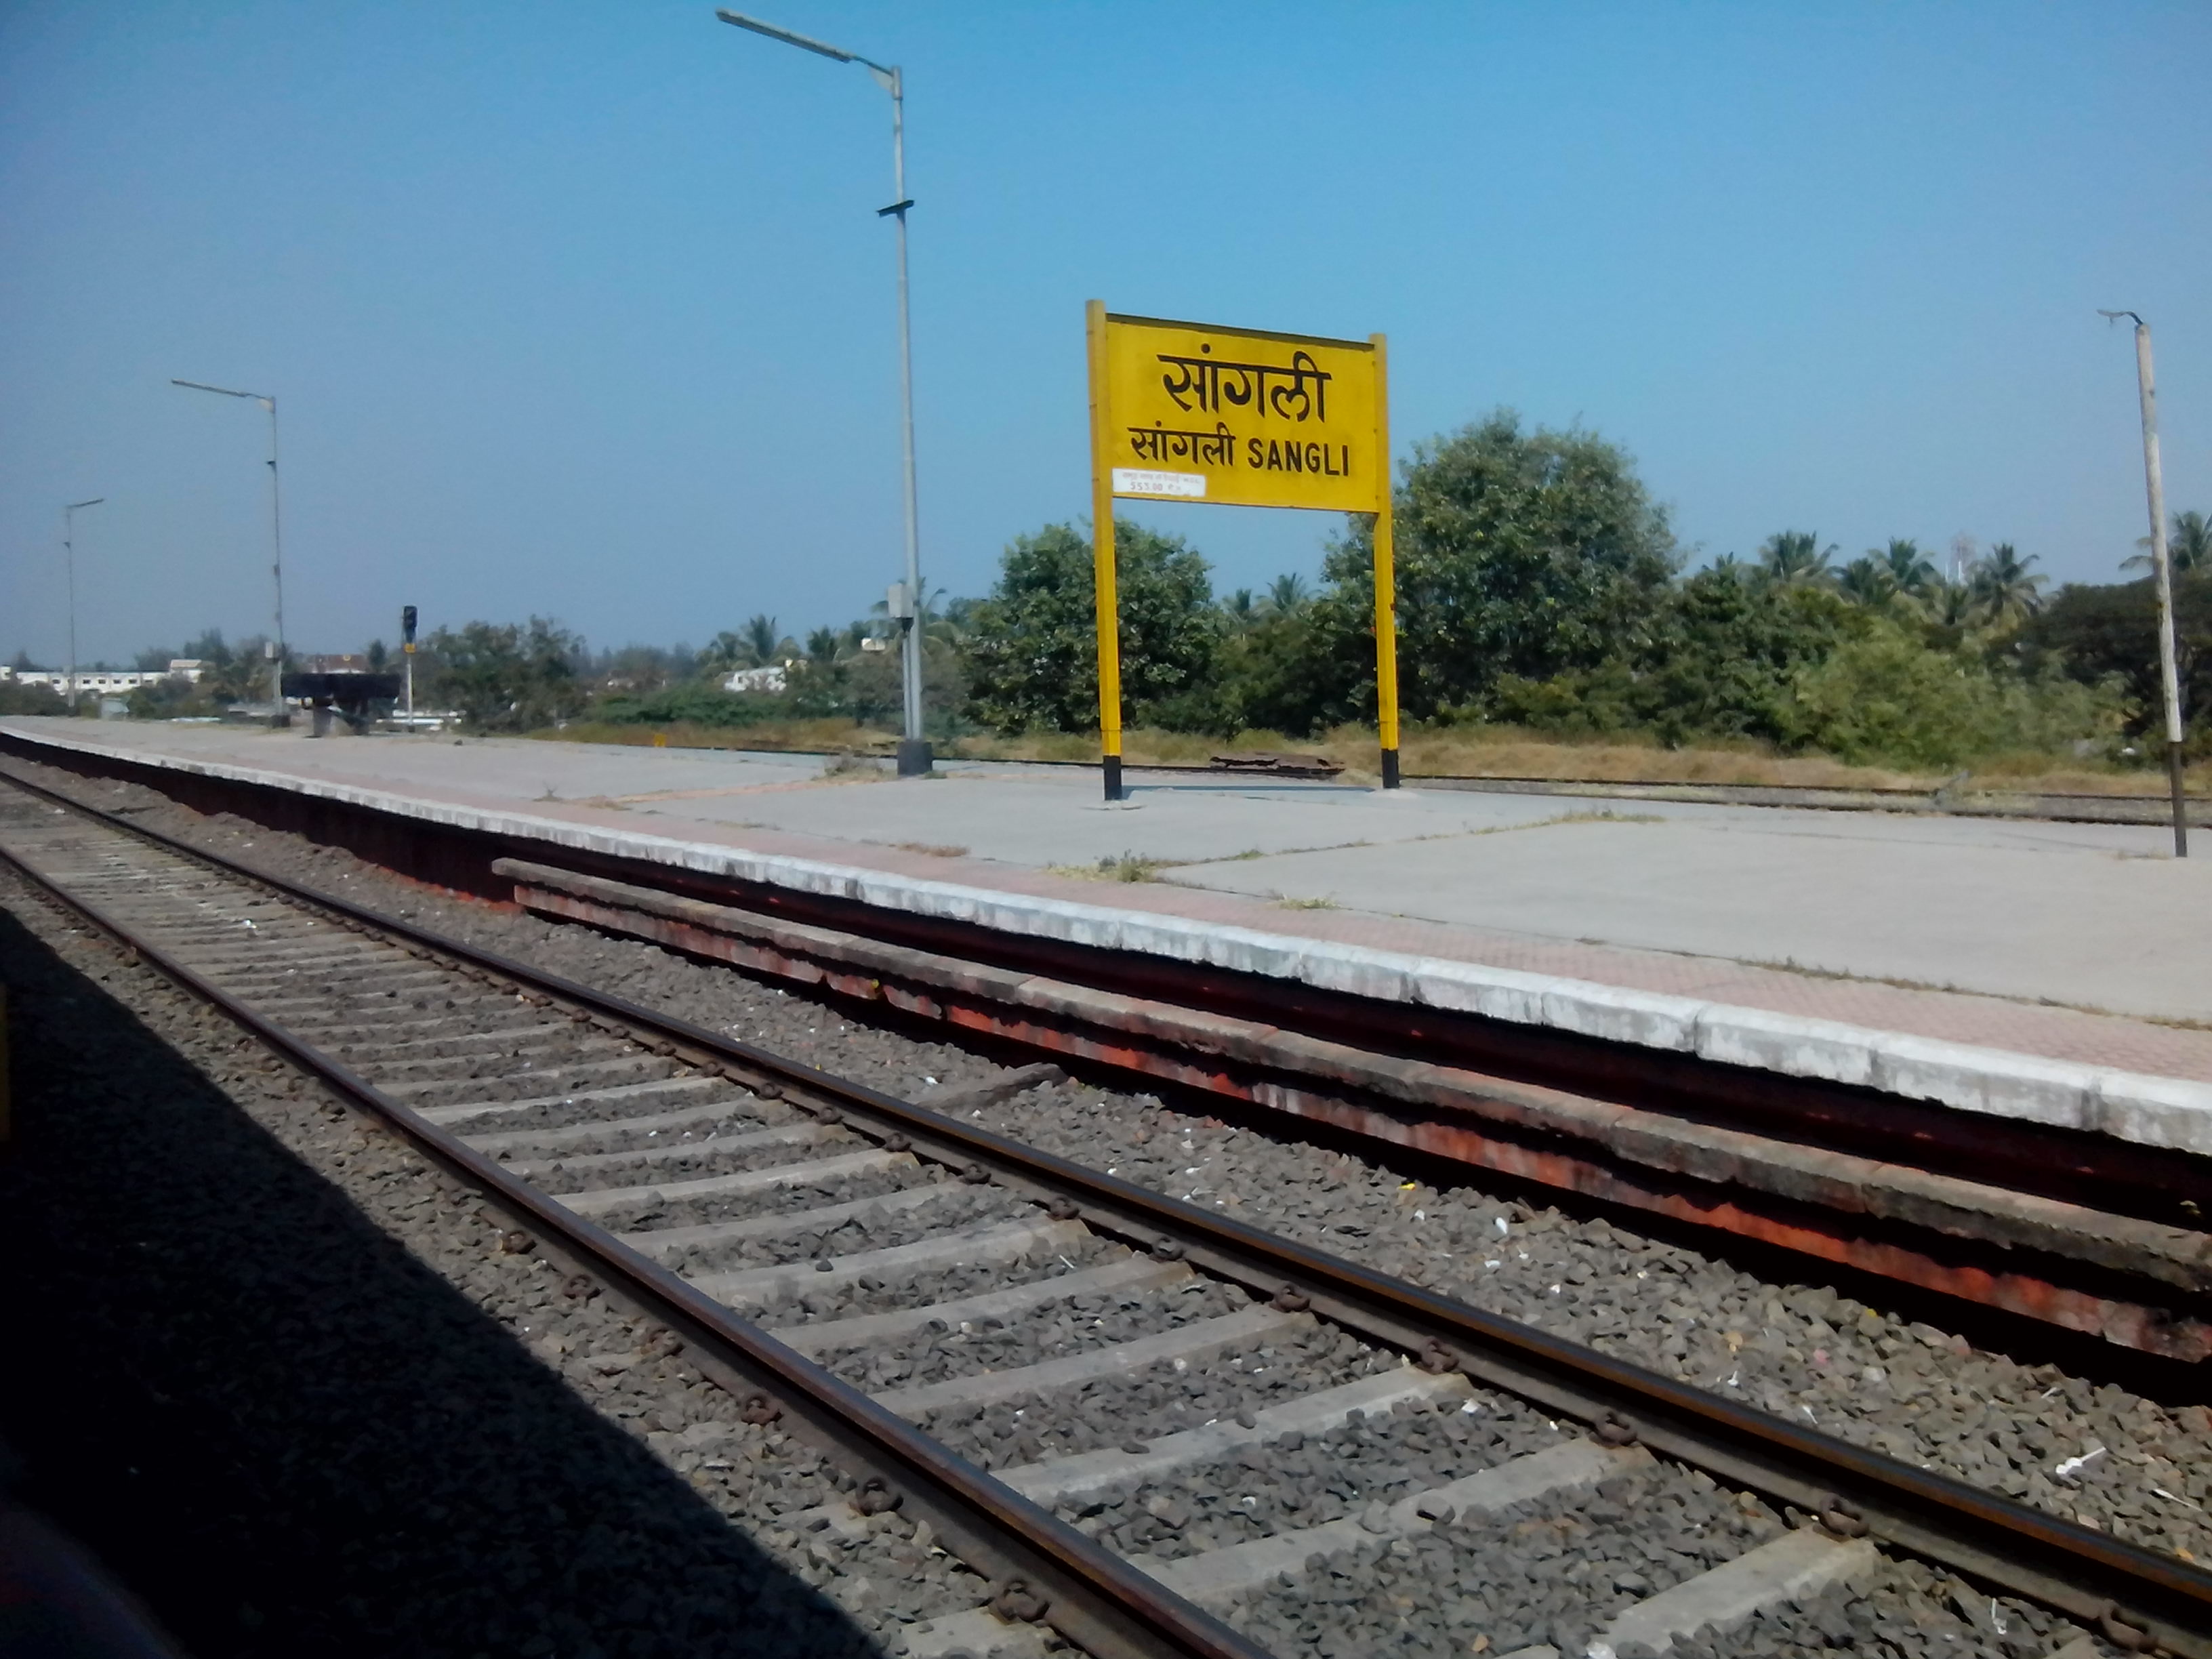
{"x": 1200, "y": 1437}
{"x": 1993, "y": 1189}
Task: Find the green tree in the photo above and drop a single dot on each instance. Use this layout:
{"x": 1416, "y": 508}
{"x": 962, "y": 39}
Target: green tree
{"x": 1721, "y": 658}
{"x": 232, "y": 674}
{"x": 16, "y": 698}
{"x": 1288, "y": 595}
{"x": 1265, "y": 677}
{"x": 1952, "y": 611}
{"x": 639, "y": 669}
{"x": 2005, "y": 587}
{"x": 724, "y": 652}
{"x": 1519, "y": 553}
{"x": 1794, "y": 558}
{"x": 762, "y": 641}
{"x": 1031, "y": 650}
{"x": 2188, "y": 546}
{"x": 1909, "y": 567}
{"x": 2097, "y": 631}
{"x": 503, "y": 677}
{"x": 1868, "y": 580}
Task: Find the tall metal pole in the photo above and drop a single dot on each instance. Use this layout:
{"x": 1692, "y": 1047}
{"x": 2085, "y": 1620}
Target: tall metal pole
{"x": 276, "y": 542}
{"x": 2161, "y": 575}
{"x": 913, "y": 753}
{"x": 276, "y": 525}
{"x": 68, "y": 557}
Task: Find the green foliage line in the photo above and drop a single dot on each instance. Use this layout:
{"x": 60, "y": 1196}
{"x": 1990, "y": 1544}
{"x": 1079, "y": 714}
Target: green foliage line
{"x": 1539, "y": 586}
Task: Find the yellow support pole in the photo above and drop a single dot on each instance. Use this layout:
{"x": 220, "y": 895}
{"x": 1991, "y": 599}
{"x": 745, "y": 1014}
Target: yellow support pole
{"x": 1105, "y": 599}
{"x": 1385, "y": 577}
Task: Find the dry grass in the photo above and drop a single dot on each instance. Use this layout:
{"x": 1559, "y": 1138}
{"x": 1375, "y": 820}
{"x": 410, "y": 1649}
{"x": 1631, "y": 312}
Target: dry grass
{"x": 825, "y": 736}
{"x": 1129, "y": 867}
{"x": 1480, "y": 751}
{"x": 1502, "y": 752}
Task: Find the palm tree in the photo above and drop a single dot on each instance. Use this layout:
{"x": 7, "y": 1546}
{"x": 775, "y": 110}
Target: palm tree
{"x": 1794, "y": 558}
{"x": 723, "y": 653}
{"x": 1908, "y": 566}
{"x": 2188, "y": 546}
{"x": 1288, "y": 595}
{"x": 822, "y": 646}
{"x": 1868, "y": 580}
{"x": 761, "y": 639}
{"x": 2005, "y": 586}
{"x": 1241, "y": 609}
{"x": 1954, "y": 607}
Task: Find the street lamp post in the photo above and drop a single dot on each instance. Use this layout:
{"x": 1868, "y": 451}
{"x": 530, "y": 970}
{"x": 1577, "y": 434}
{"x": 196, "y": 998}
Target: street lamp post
{"x": 913, "y": 754}
{"x": 2161, "y": 565}
{"x": 68, "y": 557}
{"x": 276, "y": 528}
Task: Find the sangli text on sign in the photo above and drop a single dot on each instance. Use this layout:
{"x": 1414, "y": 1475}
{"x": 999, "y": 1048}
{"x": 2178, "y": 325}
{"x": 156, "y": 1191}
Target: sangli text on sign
{"x": 1218, "y": 448}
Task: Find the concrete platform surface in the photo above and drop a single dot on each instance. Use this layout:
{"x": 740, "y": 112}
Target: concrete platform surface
{"x": 2082, "y": 945}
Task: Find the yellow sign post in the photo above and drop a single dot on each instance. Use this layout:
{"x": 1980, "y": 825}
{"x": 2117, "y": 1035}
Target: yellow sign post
{"x": 1185, "y": 412}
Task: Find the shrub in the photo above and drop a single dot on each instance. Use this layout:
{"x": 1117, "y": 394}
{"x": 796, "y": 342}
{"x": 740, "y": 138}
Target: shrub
{"x": 1888, "y": 697}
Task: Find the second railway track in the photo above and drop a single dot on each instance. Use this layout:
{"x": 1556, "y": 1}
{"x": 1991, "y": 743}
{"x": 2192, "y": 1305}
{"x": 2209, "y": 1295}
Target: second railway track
{"x": 1200, "y": 1438}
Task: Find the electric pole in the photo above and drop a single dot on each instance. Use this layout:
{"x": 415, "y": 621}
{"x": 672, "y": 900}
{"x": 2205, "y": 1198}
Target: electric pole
{"x": 2161, "y": 567}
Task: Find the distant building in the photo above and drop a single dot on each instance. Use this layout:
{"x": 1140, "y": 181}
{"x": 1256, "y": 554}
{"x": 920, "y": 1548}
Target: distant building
{"x": 107, "y": 681}
{"x": 756, "y": 680}
{"x": 342, "y": 662}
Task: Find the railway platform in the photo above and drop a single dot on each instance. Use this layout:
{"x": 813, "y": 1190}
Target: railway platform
{"x": 2057, "y": 971}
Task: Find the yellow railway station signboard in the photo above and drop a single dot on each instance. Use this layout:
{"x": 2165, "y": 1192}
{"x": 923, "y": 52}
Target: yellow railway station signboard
{"x": 1238, "y": 417}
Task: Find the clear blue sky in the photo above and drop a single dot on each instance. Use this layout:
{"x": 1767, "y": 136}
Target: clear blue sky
{"x": 583, "y": 309}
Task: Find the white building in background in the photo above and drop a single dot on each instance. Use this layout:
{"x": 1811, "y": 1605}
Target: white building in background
{"x": 755, "y": 679}
{"x": 107, "y": 681}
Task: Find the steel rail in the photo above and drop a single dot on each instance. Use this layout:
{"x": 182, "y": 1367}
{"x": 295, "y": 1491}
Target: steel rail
{"x": 1092, "y": 1596}
{"x": 2136, "y": 1594}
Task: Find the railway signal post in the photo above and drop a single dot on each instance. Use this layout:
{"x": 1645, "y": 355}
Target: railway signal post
{"x": 407, "y": 652}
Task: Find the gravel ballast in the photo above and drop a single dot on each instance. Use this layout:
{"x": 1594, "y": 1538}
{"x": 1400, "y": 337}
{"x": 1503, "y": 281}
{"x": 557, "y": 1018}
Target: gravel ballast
{"x": 281, "y": 1373}
{"x": 1918, "y": 1392}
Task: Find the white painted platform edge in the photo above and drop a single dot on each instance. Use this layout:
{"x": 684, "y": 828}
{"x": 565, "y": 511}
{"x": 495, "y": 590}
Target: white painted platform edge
{"x": 2153, "y": 1111}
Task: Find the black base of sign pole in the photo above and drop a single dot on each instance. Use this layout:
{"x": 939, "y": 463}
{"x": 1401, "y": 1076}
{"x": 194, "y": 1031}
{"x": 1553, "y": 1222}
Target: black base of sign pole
{"x": 1389, "y": 769}
{"x": 915, "y": 757}
{"x": 2180, "y": 801}
{"x": 1112, "y": 766}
